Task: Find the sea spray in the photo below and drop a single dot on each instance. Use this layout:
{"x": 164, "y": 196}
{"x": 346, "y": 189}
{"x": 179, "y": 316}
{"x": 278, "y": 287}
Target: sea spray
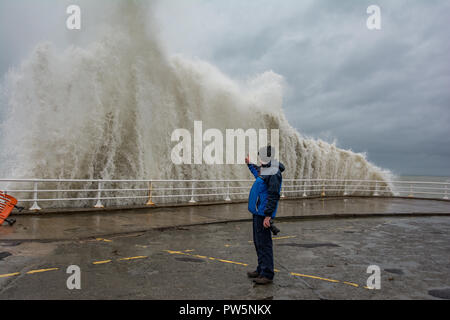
{"x": 107, "y": 111}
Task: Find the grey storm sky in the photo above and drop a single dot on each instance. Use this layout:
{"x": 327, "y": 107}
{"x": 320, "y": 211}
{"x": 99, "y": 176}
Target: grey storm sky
{"x": 386, "y": 93}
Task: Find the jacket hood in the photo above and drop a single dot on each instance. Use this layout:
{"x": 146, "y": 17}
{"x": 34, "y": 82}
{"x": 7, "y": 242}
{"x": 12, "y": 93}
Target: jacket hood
{"x": 273, "y": 169}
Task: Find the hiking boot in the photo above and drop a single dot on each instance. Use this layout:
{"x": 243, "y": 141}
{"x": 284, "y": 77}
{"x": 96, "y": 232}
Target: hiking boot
{"x": 253, "y": 275}
{"x": 262, "y": 281}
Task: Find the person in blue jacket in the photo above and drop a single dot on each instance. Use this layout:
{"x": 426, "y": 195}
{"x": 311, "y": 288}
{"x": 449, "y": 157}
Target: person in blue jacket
{"x": 263, "y": 203}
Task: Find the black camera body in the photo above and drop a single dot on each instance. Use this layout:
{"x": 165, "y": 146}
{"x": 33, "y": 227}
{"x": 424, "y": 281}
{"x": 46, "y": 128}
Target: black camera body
{"x": 274, "y": 228}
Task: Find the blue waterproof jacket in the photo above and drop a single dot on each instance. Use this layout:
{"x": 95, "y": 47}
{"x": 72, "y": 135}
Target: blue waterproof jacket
{"x": 265, "y": 193}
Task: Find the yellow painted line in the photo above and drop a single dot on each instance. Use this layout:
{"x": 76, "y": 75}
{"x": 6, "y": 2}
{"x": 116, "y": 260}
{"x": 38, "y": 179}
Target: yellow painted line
{"x": 351, "y": 284}
{"x": 41, "y": 270}
{"x": 189, "y": 250}
{"x": 102, "y": 262}
{"x": 232, "y": 262}
{"x": 205, "y": 257}
{"x": 313, "y": 277}
{"x": 104, "y": 240}
{"x": 133, "y": 258}
{"x": 281, "y": 238}
{"x": 9, "y": 275}
{"x": 175, "y": 252}
{"x": 275, "y": 270}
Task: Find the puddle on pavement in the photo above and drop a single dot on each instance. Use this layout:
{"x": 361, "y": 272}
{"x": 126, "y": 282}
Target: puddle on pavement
{"x": 4, "y": 255}
{"x": 440, "y": 293}
{"x": 395, "y": 271}
{"x": 308, "y": 245}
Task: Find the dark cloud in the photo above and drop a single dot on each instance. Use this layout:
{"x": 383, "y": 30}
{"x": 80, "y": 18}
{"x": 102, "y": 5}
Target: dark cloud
{"x": 386, "y": 93}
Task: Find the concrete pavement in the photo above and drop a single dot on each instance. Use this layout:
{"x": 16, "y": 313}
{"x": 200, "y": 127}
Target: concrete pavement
{"x": 204, "y": 252}
{"x": 60, "y": 226}
{"x": 315, "y": 259}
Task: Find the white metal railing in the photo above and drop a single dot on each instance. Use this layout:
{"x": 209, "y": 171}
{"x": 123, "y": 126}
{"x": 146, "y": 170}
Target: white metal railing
{"x": 59, "y": 193}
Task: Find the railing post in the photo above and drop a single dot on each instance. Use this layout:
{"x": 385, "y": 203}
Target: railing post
{"x": 192, "y": 194}
{"x": 376, "y": 194}
{"x": 150, "y": 191}
{"x": 228, "y": 193}
{"x": 35, "y": 206}
{"x": 411, "y": 195}
{"x": 446, "y": 192}
{"x": 345, "y": 188}
{"x": 304, "y": 189}
{"x": 99, "y": 204}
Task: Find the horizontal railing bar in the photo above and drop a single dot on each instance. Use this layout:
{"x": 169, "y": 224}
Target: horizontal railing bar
{"x": 324, "y": 185}
{"x": 406, "y": 189}
{"x": 131, "y": 197}
{"x": 168, "y": 189}
{"x": 334, "y": 190}
{"x": 76, "y": 190}
{"x": 421, "y": 188}
{"x": 116, "y": 181}
{"x": 112, "y": 190}
{"x": 298, "y": 190}
{"x": 214, "y": 180}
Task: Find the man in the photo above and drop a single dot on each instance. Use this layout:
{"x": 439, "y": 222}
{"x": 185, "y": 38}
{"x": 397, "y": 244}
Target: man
{"x": 263, "y": 204}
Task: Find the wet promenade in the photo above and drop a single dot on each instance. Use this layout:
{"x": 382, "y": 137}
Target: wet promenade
{"x": 62, "y": 226}
{"x": 203, "y": 252}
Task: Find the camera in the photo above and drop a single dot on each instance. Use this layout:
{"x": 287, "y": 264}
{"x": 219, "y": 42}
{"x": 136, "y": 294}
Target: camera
{"x": 274, "y": 228}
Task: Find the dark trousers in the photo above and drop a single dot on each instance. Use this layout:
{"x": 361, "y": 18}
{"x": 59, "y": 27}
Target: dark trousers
{"x": 262, "y": 238}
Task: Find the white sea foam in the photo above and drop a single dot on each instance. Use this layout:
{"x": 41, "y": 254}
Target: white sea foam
{"x": 107, "y": 111}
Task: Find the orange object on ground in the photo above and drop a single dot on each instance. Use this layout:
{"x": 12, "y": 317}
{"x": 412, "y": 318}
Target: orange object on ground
{"x": 7, "y": 204}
